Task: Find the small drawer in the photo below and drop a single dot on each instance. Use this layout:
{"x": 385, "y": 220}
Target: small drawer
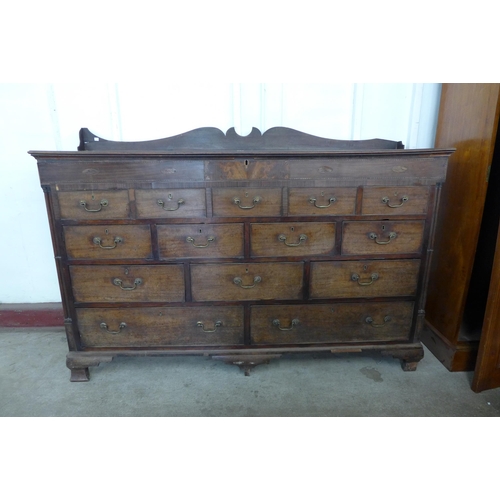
{"x": 108, "y": 242}
{"x": 373, "y": 278}
{"x": 321, "y": 201}
{"x": 157, "y": 327}
{"x": 292, "y": 239}
{"x": 331, "y": 323}
{"x": 163, "y": 283}
{"x": 254, "y": 281}
{"x": 200, "y": 241}
{"x": 83, "y": 205}
{"x": 170, "y": 203}
{"x": 382, "y": 237}
{"x": 251, "y": 202}
{"x": 395, "y": 200}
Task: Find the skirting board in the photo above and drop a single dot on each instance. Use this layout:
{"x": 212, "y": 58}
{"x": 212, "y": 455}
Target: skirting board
{"x": 31, "y": 315}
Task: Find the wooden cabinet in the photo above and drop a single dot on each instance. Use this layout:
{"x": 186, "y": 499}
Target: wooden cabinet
{"x": 467, "y": 225}
{"x": 241, "y": 248}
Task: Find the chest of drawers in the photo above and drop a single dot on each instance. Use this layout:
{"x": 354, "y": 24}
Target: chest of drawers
{"x": 241, "y": 248}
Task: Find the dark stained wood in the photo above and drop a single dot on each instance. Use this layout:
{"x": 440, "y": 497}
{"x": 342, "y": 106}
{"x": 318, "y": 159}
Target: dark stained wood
{"x": 318, "y": 201}
{"x": 259, "y": 281}
{"x": 468, "y": 121}
{"x": 200, "y": 241}
{"x": 357, "y": 239}
{"x": 81, "y": 244}
{"x": 170, "y": 203}
{"x": 99, "y": 283}
{"x": 244, "y": 202}
{"x": 310, "y": 324}
{"x": 154, "y": 327}
{"x": 487, "y": 372}
{"x": 212, "y": 270}
{"x": 372, "y": 278}
{"x": 212, "y": 139}
{"x": 406, "y": 200}
{"x": 274, "y": 239}
{"x": 98, "y": 204}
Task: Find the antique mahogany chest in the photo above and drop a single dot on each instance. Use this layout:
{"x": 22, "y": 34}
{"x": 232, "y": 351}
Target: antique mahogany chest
{"x": 241, "y": 248}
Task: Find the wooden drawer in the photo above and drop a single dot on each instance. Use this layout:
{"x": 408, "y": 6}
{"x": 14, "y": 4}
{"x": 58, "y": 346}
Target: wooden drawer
{"x": 163, "y": 283}
{"x": 395, "y": 200}
{"x": 200, "y": 241}
{"x": 242, "y": 202}
{"x": 108, "y": 242}
{"x": 165, "y": 326}
{"x": 382, "y": 237}
{"x": 374, "y": 278}
{"x": 170, "y": 203}
{"x": 292, "y": 239}
{"x": 83, "y": 205}
{"x": 346, "y": 322}
{"x": 255, "y": 281}
{"x": 321, "y": 201}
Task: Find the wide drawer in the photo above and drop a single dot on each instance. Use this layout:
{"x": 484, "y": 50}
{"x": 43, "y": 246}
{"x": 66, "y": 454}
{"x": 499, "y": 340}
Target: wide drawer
{"x": 84, "y": 205}
{"x": 374, "y": 278}
{"x": 382, "y": 237}
{"x": 163, "y": 283}
{"x": 292, "y": 239}
{"x": 108, "y": 242}
{"x": 200, "y": 241}
{"x": 395, "y": 200}
{"x": 165, "y": 326}
{"x": 170, "y": 203}
{"x": 319, "y": 323}
{"x": 254, "y": 281}
{"x": 321, "y": 201}
{"x": 242, "y": 202}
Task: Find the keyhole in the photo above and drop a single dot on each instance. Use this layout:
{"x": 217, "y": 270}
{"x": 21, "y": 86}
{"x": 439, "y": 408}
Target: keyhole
{"x": 246, "y": 163}
{"x": 106, "y": 231}
{"x": 246, "y": 270}
{"x": 383, "y": 228}
{"x": 364, "y": 268}
{"x": 199, "y": 231}
{"x": 169, "y": 196}
{"x": 126, "y": 271}
{"x": 246, "y": 194}
{"x": 292, "y": 229}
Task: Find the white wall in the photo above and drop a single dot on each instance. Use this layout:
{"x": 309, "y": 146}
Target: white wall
{"x": 48, "y": 117}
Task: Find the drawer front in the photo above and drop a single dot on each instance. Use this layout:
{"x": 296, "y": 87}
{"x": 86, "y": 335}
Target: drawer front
{"x": 374, "y": 278}
{"x": 170, "y": 203}
{"x": 292, "y": 239}
{"x": 108, "y": 242}
{"x": 255, "y": 281}
{"x": 321, "y": 201}
{"x": 310, "y": 324}
{"x": 83, "y": 205}
{"x": 246, "y": 169}
{"x": 200, "y": 241}
{"x": 382, "y": 237}
{"x": 128, "y": 283}
{"x": 165, "y": 326}
{"x": 395, "y": 200}
{"x": 242, "y": 202}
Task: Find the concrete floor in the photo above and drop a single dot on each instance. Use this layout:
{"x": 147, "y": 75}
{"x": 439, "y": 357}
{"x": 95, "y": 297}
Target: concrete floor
{"x": 34, "y": 382}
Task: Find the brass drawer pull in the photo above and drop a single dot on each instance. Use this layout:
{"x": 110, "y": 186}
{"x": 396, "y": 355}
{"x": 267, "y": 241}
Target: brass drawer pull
{"x": 295, "y": 322}
{"x": 302, "y": 237}
{"x": 356, "y": 277}
{"x": 369, "y": 320}
{"x": 98, "y": 241}
{"x": 190, "y": 239}
{"x": 386, "y": 200}
{"x": 104, "y": 326}
{"x": 216, "y": 325}
{"x": 374, "y": 236}
{"x": 256, "y": 200}
{"x": 238, "y": 281}
{"x": 102, "y": 204}
{"x": 180, "y": 201}
{"x": 119, "y": 282}
{"x": 313, "y": 200}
